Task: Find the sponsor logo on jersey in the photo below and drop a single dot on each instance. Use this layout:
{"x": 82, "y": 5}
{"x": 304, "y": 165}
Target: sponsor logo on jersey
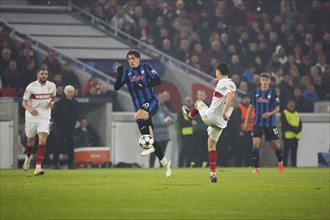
{"x": 262, "y": 100}
{"x": 137, "y": 78}
{"x": 41, "y": 96}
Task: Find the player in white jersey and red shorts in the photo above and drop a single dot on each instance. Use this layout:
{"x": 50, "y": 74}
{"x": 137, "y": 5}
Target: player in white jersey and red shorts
{"x": 38, "y": 100}
{"x": 217, "y": 115}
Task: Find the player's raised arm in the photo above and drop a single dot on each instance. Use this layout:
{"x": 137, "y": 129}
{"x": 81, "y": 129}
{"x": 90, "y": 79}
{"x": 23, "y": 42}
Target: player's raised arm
{"x": 153, "y": 77}
{"x": 120, "y": 78}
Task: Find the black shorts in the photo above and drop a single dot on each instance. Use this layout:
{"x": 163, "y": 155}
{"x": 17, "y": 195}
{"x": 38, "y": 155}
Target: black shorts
{"x": 151, "y": 107}
{"x": 271, "y": 133}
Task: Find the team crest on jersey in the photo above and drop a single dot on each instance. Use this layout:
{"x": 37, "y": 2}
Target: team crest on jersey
{"x": 49, "y": 89}
{"x": 269, "y": 96}
{"x": 142, "y": 71}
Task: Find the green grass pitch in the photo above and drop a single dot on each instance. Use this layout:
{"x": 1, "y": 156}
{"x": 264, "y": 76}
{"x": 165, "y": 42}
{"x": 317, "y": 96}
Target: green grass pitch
{"x": 298, "y": 193}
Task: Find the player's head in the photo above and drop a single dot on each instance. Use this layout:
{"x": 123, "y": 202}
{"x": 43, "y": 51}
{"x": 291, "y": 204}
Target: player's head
{"x": 221, "y": 69}
{"x": 245, "y": 100}
{"x": 133, "y": 58}
{"x": 265, "y": 80}
{"x": 69, "y": 92}
{"x": 201, "y": 94}
{"x": 291, "y": 105}
{"x": 42, "y": 75}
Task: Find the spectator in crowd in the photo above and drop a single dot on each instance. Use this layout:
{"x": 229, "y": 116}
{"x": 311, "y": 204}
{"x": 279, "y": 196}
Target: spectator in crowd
{"x": 200, "y": 136}
{"x": 94, "y": 92}
{"x": 311, "y": 96}
{"x": 326, "y": 82}
{"x": 291, "y": 128}
{"x": 161, "y": 121}
{"x": 120, "y": 18}
{"x": 65, "y": 116}
{"x": 54, "y": 65}
{"x": 27, "y": 44}
{"x": 94, "y": 81}
{"x": 27, "y": 54}
{"x": 29, "y": 73}
{"x": 185, "y": 134}
{"x": 4, "y": 60}
{"x": 301, "y": 105}
{"x": 11, "y": 78}
{"x": 85, "y": 135}
{"x": 243, "y": 138}
{"x": 70, "y": 78}
{"x": 167, "y": 101}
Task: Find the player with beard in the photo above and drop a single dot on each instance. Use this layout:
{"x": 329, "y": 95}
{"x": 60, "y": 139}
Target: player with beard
{"x": 38, "y": 100}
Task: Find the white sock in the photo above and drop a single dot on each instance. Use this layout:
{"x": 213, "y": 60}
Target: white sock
{"x": 163, "y": 161}
{"x": 38, "y": 167}
{"x": 212, "y": 173}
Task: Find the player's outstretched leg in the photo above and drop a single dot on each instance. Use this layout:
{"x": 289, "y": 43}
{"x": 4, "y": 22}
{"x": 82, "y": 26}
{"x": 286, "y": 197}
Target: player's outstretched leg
{"x": 255, "y": 159}
{"x": 144, "y": 127}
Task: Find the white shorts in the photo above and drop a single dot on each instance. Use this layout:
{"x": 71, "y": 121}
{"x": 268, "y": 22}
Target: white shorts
{"x": 215, "y": 123}
{"x": 34, "y": 128}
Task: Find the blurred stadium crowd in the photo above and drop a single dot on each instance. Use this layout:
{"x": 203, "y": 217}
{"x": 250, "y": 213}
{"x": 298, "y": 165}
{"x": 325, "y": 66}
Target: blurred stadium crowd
{"x": 288, "y": 39}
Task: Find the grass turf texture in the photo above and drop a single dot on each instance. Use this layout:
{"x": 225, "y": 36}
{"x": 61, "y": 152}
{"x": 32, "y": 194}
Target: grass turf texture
{"x": 300, "y": 193}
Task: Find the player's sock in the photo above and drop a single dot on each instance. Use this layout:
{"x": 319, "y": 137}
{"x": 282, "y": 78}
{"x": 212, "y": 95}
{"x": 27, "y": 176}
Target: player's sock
{"x": 41, "y": 153}
{"x": 163, "y": 161}
{"x": 158, "y": 151}
{"x": 213, "y": 160}
{"x": 144, "y": 125}
{"x": 28, "y": 150}
{"x": 193, "y": 111}
{"x": 279, "y": 154}
{"x": 255, "y": 157}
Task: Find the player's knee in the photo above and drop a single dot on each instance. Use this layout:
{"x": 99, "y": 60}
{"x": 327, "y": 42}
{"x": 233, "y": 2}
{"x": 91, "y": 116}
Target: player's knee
{"x": 141, "y": 114}
{"x": 30, "y": 142}
{"x": 144, "y": 125}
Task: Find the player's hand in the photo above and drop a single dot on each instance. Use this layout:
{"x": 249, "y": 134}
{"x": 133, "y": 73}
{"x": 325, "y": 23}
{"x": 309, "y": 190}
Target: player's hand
{"x": 51, "y": 104}
{"x": 33, "y": 111}
{"x": 225, "y": 117}
{"x": 265, "y": 115}
{"x": 120, "y": 70}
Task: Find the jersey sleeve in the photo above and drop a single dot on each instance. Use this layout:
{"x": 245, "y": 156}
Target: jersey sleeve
{"x": 276, "y": 100}
{"x": 27, "y": 93}
{"x": 151, "y": 72}
{"x": 226, "y": 87}
{"x": 54, "y": 90}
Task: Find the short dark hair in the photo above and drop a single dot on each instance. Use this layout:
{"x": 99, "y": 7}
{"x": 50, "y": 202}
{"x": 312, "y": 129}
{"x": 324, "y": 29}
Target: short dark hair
{"x": 41, "y": 69}
{"x": 223, "y": 68}
{"x": 133, "y": 52}
{"x": 265, "y": 75}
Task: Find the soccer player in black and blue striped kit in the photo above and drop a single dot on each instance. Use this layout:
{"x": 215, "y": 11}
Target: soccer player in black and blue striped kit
{"x": 265, "y": 102}
{"x": 140, "y": 80}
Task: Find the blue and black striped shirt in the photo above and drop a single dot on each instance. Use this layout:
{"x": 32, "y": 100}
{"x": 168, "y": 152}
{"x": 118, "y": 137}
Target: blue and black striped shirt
{"x": 143, "y": 74}
{"x": 264, "y": 101}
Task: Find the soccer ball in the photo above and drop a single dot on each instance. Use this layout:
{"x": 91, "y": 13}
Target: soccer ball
{"x": 146, "y": 141}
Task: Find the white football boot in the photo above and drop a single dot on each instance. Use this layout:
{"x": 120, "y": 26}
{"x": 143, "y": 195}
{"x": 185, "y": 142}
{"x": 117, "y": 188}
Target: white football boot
{"x": 148, "y": 151}
{"x": 27, "y": 161}
{"x": 167, "y": 167}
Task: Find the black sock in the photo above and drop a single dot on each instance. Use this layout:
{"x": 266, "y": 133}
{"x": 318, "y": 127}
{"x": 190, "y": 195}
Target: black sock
{"x": 255, "y": 157}
{"x": 144, "y": 125}
{"x": 279, "y": 154}
{"x": 158, "y": 151}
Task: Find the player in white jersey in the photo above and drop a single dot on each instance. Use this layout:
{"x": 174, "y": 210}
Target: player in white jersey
{"x": 38, "y": 100}
{"x": 217, "y": 115}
